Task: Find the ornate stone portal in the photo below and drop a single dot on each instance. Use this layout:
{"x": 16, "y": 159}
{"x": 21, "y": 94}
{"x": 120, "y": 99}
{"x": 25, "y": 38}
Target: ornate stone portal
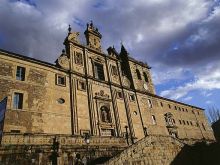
{"x": 104, "y": 109}
{"x": 171, "y": 125}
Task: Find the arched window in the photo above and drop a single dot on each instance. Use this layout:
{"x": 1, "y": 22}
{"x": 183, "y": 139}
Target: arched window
{"x": 169, "y": 119}
{"x": 149, "y": 103}
{"x": 105, "y": 114}
{"x": 145, "y": 77}
{"x": 138, "y": 74}
{"x": 153, "y": 120}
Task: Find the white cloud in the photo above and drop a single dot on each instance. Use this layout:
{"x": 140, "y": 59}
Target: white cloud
{"x": 208, "y": 102}
{"x": 153, "y": 23}
{"x": 149, "y": 29}
{"x": 206, "y": 93}
{"x": 162, "y": 74}
{"x": 208, "y": 78}
{"x": 187, "y": 98}
{"x": 139, "y": 37}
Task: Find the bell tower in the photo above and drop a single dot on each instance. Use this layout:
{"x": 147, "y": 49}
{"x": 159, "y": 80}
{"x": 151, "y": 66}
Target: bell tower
{"x": 93, "y": 37}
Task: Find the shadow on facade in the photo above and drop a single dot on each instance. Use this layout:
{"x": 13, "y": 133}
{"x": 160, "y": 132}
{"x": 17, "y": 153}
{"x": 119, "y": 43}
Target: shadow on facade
{"x": 200, "y": 153}
{"x": 216, "y": 130}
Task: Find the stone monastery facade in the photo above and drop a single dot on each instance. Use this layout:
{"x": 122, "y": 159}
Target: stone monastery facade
{"x": 88, "y": 92}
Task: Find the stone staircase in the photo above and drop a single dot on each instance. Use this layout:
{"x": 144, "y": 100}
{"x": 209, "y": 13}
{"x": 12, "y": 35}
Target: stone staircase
{"x": 151, "y": 150}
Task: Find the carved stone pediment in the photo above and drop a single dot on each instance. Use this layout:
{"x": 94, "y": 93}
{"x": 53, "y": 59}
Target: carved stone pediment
{"x": 102, "y": 95}
{"x": 63, "y": 62}
{"x": 97, "y": 59}
{"x": 73, "y": 36}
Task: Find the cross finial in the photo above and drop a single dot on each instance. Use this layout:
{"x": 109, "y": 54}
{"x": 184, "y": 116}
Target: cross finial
{"x": 91, "y": 23}
{"x": 69, "y": 29}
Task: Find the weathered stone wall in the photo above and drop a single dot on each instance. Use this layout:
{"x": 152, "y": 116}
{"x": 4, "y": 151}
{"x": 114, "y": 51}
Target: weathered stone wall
{"x": 152, "y": 150}
{"x": 40, "y": 113}
{"x": 139, "y": 83}
{"x": 81, "y": 112}
{"x": 22, "y": 149}
{"x": 166, "y": 150}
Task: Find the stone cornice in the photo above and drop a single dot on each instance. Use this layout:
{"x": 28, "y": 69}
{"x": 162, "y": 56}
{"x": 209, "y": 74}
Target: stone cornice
{"x": 29, "y": 59}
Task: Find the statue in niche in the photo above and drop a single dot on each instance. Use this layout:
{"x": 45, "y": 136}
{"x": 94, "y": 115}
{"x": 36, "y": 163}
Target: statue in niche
{"x": 105, "y": 114}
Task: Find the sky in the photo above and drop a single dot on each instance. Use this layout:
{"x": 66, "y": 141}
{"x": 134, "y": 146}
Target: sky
{"x": 180, "y": 40}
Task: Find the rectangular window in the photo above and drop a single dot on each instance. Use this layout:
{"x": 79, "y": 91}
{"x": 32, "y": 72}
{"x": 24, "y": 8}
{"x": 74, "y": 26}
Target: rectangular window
{"x": 81, "y": 85}
{"x": 114, "y": 71}
{"x": 150, "y": 103}
{"x": 60, "y": 80}
{"x": 99, "y": 71}
{"x": 20, "y": 73}
{"x": 18, "y": 100}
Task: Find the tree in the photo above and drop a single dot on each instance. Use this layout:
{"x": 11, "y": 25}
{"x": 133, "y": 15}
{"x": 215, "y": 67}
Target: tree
{"x": 214, "y": 118}
{"x": 213, "y": 115}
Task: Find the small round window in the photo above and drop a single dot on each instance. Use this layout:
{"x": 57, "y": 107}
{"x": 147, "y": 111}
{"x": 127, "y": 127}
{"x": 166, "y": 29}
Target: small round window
{"x": 60, "y": 101}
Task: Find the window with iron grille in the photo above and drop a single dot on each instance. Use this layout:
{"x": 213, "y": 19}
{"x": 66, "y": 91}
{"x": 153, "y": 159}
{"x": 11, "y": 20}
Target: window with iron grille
{"x": 60, "y": 80}
{"x": 99, "y": 71}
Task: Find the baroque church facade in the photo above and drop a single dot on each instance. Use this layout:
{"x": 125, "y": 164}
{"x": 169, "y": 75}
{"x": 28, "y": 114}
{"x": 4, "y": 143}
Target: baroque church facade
{"x": 89, "y": 92}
